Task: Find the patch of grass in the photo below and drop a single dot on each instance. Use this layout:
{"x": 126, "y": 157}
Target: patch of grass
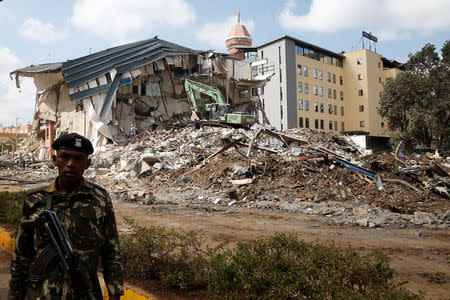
{"x": 280, "y": 267}
{"x": 11, "y": 206}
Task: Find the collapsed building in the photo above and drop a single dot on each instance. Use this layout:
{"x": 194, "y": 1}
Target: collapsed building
{"x": 142, "y": 84}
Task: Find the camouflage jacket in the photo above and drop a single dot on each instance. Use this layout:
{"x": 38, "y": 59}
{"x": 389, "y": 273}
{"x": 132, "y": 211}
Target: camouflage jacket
{"x": 88, "y": 219}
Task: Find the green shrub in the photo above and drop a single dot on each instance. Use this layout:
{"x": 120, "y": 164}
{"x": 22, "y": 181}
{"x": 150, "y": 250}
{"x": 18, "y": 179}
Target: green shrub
{"x": 281, "y": 267}
{"x": 154, "y": 253}
{"x": 11, "y": 206}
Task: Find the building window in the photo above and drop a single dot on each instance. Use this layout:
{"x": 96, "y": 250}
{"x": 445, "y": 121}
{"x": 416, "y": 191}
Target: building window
{"x": 261, "y": 90}
{"x": 300, "y": 87}
{"x": 361, "y": 108}
{"x": 329, "y": 93}
{"x": 279, "y": 54}
{"x": 334, "y": 94}
{"x": 315, "y": 73}
{"x": 307, "y": 105}
{"x": 321, "y": 124}
{"x": 298, "y": 49}
{"x": 321, "y": 91}
{"x": 254, "y": 71}
{"x": 379, "y": 65}
{"x": 262, "y": 54}
{"x": 342, "y": 126}
{"x": 335, "y": 109}
{"x": 330, "y": 125}
{"x": 315, "y": 90}
{"x": 108, "y": 77}
{"x": 334, "y": 78}
{"x": 320, "y": 75}
{"x": 316, "y": 123}
{"x": 329, "y": 77}
{"x": 306, "y": 88}
{"x": 300, "y": 122}
{"x": 360, "y": 76}
{"x": 299, "y": 69}
{"x": 281, "y": 78}
{"x": 341, "y": 94}
{"x": 362, "y": 124}
{"x": 341, "y": 81}
{"x": 281, "y": 112}
{"x": 330, "y": 109}
{"x": 335, "y": 125}
{"x": 300, "y": 104}
{"x": 321, "y": 107}
{"x": 342, "y": 110}
{"x": 379, "y": 79}
{"x": 243, "y": 94}
{"x": 382, "y": 124}
{"x": 305, "y": 70}
{"x": 316, "y": 106}
{"x": 359, "y": 61}
{"x": 307, "y": 122}
{"x": 360, "y": 93}
{"x": 281, "y": 93}
{"x": 254, "y": 91}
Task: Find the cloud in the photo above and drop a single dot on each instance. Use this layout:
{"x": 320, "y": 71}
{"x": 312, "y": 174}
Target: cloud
{"x": 214, "y": 34}
{"x": 34, "y": 30}
{"x": 117, "y": 18}
{"x": 388, "y": 19}
{"x": 13, "y": 101}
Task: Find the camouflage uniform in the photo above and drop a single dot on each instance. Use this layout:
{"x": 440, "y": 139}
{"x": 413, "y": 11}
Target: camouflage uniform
{"x": 88, "y": 219}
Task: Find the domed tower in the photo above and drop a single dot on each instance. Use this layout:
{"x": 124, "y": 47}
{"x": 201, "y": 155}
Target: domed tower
{"x": 238, "y": 37}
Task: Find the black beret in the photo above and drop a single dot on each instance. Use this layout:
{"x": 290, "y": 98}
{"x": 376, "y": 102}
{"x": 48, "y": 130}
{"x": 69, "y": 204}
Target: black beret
{"x": 73, "y": 142}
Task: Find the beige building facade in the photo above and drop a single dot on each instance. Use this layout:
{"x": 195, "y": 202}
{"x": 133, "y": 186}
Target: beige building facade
{"x": 336, "y": 92}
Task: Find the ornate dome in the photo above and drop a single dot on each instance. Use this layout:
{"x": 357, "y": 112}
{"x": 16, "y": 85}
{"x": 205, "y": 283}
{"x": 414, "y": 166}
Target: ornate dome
{"x": 238, "y": 37}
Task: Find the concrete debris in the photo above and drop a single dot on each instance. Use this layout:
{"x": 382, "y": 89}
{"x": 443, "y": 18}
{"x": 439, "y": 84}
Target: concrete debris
{"x": 298, "y": 171}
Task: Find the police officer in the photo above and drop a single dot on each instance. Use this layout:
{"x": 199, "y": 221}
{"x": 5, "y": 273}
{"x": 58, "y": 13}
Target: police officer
{"x": 86, "y": 214}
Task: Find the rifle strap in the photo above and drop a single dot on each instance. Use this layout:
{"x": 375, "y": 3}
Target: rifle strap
{"x": 39, "y": 266}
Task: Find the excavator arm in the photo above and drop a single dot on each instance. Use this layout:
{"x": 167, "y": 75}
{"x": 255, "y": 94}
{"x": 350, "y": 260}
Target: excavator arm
{"x": 213, "y": 92}
{"x": 219, "y": 111}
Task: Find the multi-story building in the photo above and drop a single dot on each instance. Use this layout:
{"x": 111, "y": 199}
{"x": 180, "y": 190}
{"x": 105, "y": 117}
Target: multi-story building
{"x": 312, "y": 87}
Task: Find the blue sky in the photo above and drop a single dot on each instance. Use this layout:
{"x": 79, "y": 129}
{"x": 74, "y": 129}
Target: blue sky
{"x": 35, "y": 32}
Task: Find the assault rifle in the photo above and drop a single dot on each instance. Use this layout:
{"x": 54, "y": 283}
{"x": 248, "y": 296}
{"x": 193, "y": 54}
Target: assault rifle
{"x": 60, "y": 248}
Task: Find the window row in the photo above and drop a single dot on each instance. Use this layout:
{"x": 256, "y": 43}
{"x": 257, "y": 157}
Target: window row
{"x": 320, "y": 124}
{"x": 317, "y": 55}
{"x": 359, "y": 62}
{"x": 318, "y": 90}
{"x": 318, "y": 74}
{"x": 332, "y": 109}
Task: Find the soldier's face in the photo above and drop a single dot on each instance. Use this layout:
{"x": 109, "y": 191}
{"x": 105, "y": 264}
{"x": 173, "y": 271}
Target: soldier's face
{"x": 71, "y": 164}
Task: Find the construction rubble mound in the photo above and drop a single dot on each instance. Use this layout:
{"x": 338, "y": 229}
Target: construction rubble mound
{"x": 297, "y": 171}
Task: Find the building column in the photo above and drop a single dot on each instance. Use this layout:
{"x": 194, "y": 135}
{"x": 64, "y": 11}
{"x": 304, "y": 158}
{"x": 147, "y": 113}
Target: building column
{"x": 51, "y": 137}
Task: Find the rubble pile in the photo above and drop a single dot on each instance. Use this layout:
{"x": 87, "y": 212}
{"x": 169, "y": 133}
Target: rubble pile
{"x": 299, "y": 171}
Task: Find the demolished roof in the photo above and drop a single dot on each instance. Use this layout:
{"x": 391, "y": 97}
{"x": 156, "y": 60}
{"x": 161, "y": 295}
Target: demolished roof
{"x": 32, "y": 70}
{"x": 118, "y": 62}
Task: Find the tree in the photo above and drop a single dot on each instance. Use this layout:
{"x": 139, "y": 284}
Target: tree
{"x": 416, "y": 103}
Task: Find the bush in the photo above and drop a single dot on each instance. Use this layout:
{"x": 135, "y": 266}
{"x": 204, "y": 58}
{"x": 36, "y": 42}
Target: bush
{"x": 281, "y": 267}
{"x": 154, "y": 253}
{"x": 11, "y": 206}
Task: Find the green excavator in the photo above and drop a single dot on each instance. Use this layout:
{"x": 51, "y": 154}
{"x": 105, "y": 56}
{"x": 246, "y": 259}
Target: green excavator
{"x": 219, "y": 111}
